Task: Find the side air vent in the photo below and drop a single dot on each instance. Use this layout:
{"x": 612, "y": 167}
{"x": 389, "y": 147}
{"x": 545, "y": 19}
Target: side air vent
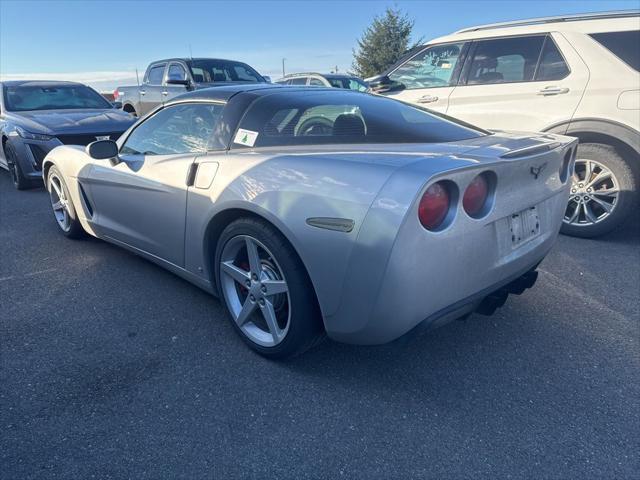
{"x": 85, "y": 201}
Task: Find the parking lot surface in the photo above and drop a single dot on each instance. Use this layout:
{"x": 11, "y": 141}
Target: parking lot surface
{"x": 113, "y": 368}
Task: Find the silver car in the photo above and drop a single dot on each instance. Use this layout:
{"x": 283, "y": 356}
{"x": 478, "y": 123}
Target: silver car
{"x": 325, "y": 211}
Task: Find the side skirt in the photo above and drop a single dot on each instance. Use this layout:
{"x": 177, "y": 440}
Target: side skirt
{"x": 177, "y": 270}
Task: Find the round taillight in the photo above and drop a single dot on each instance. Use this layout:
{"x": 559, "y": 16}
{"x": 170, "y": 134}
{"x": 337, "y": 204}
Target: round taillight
{"x": 475, "y": 196}
{"x": 434, "y": 206}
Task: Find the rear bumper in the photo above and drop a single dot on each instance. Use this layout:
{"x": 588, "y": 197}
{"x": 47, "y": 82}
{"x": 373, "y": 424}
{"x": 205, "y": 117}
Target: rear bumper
{"x": 484, "y": 302}
{"x": 446, "y": 276}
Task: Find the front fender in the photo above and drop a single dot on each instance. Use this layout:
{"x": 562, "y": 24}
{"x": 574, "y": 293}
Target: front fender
{"x": 73, "y": 163}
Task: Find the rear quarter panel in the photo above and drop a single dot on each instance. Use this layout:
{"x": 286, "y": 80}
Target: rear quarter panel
{"x": 287, "y": 190}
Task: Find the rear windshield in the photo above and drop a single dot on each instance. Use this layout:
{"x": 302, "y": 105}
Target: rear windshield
{"x": 624, "y": 45}
{"x": 22, "y": 98}
{"x": 338, "y": 116}
{"x": 211, "y": 71}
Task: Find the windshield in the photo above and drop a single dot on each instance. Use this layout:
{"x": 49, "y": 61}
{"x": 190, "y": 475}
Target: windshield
{"x": 349, "y": 83}
{"x": 22, "y": 98}
{"x": 338, "y": 116}
{"x": 211, "y": 71}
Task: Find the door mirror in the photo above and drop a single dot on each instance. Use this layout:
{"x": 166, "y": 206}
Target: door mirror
{"x": 178, "y": 81}
{"x": 117, "y": 105}
{"x": 382, "y": 83}
{"x": 102, "y": 149}
{"x": 267, "y": 78}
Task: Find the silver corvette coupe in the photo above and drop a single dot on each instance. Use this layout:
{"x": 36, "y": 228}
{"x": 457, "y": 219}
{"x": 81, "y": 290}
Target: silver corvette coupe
{"x": 321, "y": 212}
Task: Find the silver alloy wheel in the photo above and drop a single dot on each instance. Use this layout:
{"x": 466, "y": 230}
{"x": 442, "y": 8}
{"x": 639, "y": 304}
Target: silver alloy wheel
{"x": 59, "y": 203}
{"x": 594, "y": 194}
{"x": 255, "y": 290}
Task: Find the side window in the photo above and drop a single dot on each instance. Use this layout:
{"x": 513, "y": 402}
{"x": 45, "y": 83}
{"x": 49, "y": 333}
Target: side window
{"x": 505, "y": 60}
{"x": 298, "y": 81}
{"x": 184, "y": 128}
{"x": 244, "y": 74}
{"x": 155, "y": 75}
{"x": 316, "y": 82}
{"x": 623, "y": 45}
{"x": 552, "y": 65}
{"x": 176, "y": 72}
{"x": 199, "y": 75}
{"x": 432, "y": 67}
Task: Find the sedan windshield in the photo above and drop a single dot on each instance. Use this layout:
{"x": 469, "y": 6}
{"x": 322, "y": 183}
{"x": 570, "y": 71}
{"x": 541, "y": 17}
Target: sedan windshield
{"x": 22, "y": 98}
{"x": 211, "y": 71}
{"x": 338, "y": 116}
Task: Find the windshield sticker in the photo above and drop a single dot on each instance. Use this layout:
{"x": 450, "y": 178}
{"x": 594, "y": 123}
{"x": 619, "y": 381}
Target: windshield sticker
{"x": 246, "y": 137}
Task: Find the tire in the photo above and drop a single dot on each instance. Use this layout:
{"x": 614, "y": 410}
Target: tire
{"x": 298, "y": 323}
{"x": 586, "y": 215}
{"x": 131, "y": 110}
{"x": 20, "y": 181}
{"x": 66, "y": 215}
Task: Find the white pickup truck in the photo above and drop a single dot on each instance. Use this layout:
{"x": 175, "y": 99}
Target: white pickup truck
{"x": 165, "y": 79}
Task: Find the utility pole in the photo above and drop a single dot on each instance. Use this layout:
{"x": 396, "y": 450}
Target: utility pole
{"x": 283, "y": 59}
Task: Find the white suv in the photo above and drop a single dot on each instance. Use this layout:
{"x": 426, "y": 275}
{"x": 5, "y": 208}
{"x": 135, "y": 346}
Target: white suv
{"x": 574, "y": 75}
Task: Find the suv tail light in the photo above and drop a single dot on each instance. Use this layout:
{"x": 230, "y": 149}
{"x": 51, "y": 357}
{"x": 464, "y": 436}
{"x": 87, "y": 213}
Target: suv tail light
{"x": 116, "y": 93}
{"x": 475, "y": 196}
{"x": 434, "y": 205}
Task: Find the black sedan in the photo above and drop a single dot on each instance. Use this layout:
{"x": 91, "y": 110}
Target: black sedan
{"x": 36, "y": 116}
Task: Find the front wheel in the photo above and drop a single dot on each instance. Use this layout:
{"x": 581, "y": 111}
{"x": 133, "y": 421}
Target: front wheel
{"x": 266, "y": 290}
{"x": 20, "y": 181}
{"x": 603, "y": 192}
{"x": 62, "y": 205}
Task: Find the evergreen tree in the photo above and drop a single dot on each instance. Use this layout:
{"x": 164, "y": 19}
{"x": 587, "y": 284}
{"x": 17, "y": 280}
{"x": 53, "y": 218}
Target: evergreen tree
{"x": 382, "y": 43}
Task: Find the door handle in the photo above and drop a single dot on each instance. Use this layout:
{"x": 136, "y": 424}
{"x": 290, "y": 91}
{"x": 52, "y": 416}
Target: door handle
{"x": 191, "y": 174}
{"x": 427, "y": 99}
{"x": 553, "y": 91}
{"x": 165, "y": 93}
{"x": 142, "y": 92}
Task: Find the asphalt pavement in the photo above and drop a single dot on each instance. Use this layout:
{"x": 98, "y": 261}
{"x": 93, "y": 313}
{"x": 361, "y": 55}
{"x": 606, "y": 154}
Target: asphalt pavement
{"x": 112, "y": 367}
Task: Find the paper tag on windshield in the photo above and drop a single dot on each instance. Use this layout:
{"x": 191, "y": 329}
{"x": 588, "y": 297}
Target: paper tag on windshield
{"x": 246, "y": 137}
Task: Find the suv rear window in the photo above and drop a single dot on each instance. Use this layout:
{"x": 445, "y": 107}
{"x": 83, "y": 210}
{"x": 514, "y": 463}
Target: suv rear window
{"x": 624, "y": 45}
{"x": 505, "y": 60}
{"x": 552, "y": 65}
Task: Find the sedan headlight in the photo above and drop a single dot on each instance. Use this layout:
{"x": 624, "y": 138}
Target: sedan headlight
{"x": 32, "y": 136}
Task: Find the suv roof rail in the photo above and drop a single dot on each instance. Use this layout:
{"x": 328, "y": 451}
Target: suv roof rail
{"x": 559, "y": 18}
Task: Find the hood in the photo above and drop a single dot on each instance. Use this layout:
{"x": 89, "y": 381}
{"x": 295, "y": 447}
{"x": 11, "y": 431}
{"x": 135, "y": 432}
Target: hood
{"x": 53, "y": 122}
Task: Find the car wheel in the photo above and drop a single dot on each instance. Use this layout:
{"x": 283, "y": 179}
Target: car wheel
{"x": 20, "y": 181}
{"x": 62, "y": 205}
{"x": 266, "y": 290}
{"x": 603, "y": 192}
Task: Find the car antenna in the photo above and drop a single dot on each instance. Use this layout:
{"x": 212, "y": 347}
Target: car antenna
{"x": 190, "y": 53}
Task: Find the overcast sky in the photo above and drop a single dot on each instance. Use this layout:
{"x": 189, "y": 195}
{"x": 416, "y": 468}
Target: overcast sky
{"x": 102, "y": 43}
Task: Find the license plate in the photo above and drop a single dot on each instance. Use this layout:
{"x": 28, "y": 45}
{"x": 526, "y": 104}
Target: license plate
{"x": 525, "y": 225}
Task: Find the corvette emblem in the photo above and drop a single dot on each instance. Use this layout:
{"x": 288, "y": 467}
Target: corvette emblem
{"x": 536, "y": 171}
{"x": 102, "y": 137}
